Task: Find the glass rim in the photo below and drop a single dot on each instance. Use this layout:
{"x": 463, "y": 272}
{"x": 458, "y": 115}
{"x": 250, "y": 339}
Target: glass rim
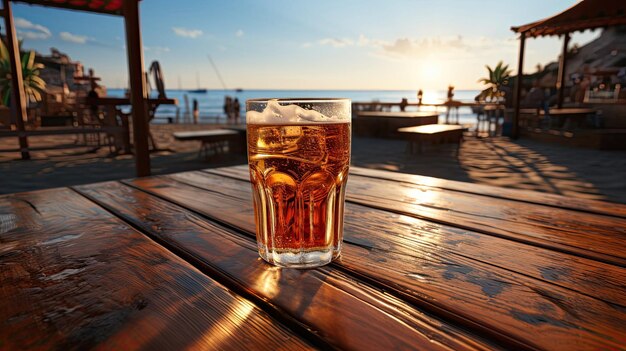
{"x": 298, "y": 100}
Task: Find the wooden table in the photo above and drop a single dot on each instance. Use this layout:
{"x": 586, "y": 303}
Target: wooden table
{"x": 432, "y": 134}
{"x": 170, "y": 262}
{"x": 567, "y": 118}
{"x": 214, "y": 140}
{"x": 386, "y": 124}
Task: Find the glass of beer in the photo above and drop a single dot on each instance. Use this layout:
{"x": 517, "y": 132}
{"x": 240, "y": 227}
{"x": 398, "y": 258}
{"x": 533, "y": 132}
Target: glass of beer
{"x": 299, "y": 154}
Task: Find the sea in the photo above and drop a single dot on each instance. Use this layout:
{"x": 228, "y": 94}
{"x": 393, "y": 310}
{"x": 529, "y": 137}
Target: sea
{"x": 211, "y": 102}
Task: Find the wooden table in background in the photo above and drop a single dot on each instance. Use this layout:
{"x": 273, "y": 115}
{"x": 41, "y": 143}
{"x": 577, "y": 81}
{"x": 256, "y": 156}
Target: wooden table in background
{"x": 566, "y": 118}
{"x": 386, "y": 124}
{"x": 170, "y": 262}
{"x": 214, "y": 141}
{"x": 432, "y": 134}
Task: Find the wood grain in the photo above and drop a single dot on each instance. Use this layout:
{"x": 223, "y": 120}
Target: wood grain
{"x": 559, "y": 229}
{"x": 575, "y": 273}
{"x": 74, "y": 277}
{"x": 492, "y": 299}
{"x": 423, "y": 182}
{"x": 346, "y": 313}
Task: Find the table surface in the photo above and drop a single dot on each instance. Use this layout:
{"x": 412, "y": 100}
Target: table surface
{"x": 431, "y": 129}
{"x": 170, "y": 262}
{"x": 397, "y": 114}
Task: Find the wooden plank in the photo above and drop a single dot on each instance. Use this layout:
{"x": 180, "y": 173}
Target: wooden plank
{"x": 571, "y": 272}
{"x": 568, "y": 231}
{"x": 576, "y": 233}
{"x": 72, "y": 276}
{"x": 423, "y": 182}
{"x": 346, "y": 313}
{"x": 493, "y": 300}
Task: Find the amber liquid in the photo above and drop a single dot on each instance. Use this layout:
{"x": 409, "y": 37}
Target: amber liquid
{"x": 298, "y": 175}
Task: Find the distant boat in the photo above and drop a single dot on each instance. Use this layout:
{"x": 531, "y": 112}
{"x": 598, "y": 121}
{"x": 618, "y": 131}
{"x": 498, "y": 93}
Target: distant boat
{"x": 197, "y": 91}
{"x": 239, "y": 90}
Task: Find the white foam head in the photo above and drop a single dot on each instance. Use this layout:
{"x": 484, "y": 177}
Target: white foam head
{"x": 289, "y": 112}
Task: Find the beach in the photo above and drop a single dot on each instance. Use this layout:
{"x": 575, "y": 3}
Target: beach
{"x": 523, "y": 164}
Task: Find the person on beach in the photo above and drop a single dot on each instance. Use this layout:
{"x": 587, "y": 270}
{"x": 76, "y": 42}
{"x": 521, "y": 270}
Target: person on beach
{"x": 450, "y": 92}
{"x": 420, "y": 95}
{"x": 228, "y": 108}
{"x": 196, "y": 112}
{"x": 403, "y": 104}
{"x": 236, "y": 110}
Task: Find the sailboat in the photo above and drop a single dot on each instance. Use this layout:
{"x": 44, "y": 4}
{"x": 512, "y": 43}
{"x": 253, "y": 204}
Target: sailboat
{"x": 199, "y": 90}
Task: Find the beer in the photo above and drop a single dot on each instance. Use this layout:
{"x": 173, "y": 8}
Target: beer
{"x": 298, "y": 174}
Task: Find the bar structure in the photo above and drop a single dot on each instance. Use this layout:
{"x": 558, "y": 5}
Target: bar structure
{"x": 587, "y": 14}
{"x": 129, "y": 10}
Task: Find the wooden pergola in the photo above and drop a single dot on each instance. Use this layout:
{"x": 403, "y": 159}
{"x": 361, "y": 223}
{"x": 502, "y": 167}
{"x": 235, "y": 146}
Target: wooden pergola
{"x": 129, "y": 10}
{"x": 587, "y": 14}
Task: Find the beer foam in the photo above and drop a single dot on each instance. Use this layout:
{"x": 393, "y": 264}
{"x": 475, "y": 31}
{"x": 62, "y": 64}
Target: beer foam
{"x": 275, "y": 113}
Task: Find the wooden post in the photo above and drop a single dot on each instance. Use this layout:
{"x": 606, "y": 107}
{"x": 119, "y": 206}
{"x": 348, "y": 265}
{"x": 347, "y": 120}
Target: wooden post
{"x": 18, "y": 97}
{"x": 518, "y": 85}
{"x": 138, "y": 91}
{"x": 560, "y": 83}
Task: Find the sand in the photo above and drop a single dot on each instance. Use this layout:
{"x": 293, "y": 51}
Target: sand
{"x": 524, "y": 164}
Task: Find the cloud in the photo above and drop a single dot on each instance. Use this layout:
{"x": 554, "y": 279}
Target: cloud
{"x": 239, "y": 33}
{"x": 29, "y": 30}
{"x": 187, "y": 33}
{"x": 336, "y": 43}
{"x": 416, "y": 48}
{"x": 74, "y": 38}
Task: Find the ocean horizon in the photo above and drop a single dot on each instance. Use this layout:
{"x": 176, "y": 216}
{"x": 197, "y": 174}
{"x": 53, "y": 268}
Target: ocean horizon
{"x": 211, "y": 102}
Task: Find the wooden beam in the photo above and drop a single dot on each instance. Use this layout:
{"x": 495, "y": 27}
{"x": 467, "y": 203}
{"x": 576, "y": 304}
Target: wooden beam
{"x": 518, "y": 86}
{"x": 138, "y": 91}
{"x": 66, "y": 6}
{"x": 18, "y": 97}
{"x": 560, "y": 83}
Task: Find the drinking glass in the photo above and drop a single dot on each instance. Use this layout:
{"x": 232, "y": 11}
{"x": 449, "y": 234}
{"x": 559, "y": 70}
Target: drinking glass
{"x": 299, "y": 154}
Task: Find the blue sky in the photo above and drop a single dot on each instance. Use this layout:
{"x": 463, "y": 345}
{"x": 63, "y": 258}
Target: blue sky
{"x": 320, "y": 44}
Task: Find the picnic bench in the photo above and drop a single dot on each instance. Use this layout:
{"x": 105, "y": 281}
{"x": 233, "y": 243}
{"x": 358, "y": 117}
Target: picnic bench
{"x": 432, "y": 134}
{"x": 386, "y": 124}
{"x": 213, "y": 141}
{"x": 171, "y": 262}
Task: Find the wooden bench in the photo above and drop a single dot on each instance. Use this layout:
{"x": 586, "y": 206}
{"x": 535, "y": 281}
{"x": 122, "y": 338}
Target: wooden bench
{"x": 213, "y": 141}
{"x": 432, "y": 134}
{"x": 386, "y": 124}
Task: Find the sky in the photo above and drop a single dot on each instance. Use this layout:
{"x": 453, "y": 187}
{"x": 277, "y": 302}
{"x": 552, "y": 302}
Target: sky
{"x": 281, "y": 44}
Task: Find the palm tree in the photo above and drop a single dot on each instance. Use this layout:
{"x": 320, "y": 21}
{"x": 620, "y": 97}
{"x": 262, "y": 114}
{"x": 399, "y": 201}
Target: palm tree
{"x": 33, "y": 84}
{"x": 498, "y": 77}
